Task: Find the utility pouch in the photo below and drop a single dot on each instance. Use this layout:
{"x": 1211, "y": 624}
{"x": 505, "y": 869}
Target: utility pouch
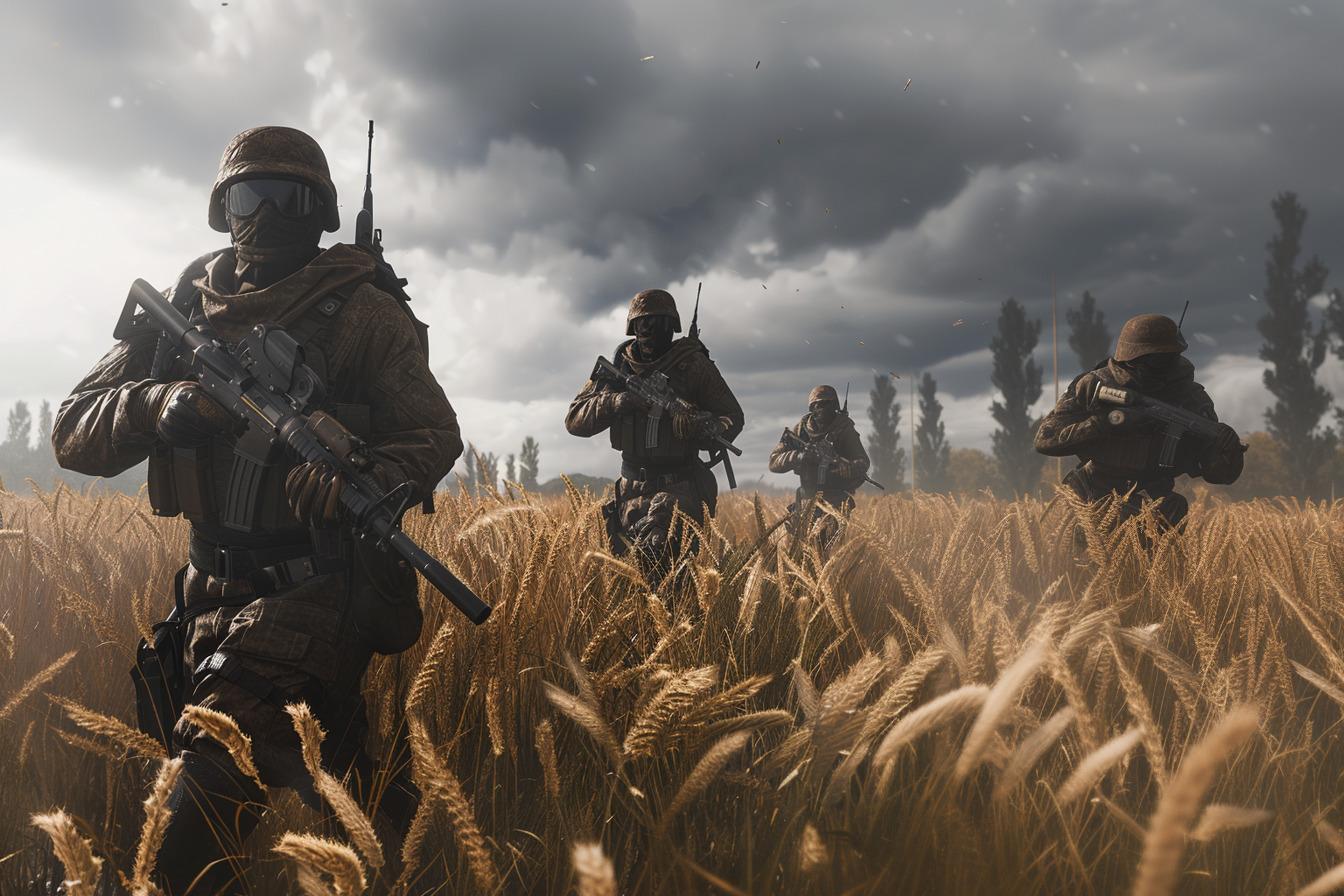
{"x": 158, "y": 674}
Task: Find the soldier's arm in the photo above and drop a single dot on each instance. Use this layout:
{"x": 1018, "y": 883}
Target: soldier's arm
{"x": 1071, "y": 426}
{"x": 106, "y": 425}
{"x": 710, "y": 392}
{"x": 785, "y": 459}
{"x": 592, "y": 411}
{"x": 851, "y": 449}
{"x": 414, "y": 433}
{"x": 1217, "y": 465}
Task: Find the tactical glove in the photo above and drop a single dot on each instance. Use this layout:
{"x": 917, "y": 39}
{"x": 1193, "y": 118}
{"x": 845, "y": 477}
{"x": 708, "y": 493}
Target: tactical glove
{"x": 187, "y": 417}
{"x": 1224, "y": 445}
{"x": 625, "y": 403}
{"x": 685, "y": 426}
{"x": 313, "y": 491}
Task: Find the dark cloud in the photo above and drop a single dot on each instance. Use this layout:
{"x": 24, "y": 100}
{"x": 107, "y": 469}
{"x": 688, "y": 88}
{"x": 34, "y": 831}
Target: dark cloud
{"x": 1127, "y": 149}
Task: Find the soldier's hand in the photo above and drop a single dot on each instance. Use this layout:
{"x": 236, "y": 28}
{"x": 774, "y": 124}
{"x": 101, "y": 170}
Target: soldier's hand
{"x": 686, "y": 426}
{"x": 842, "y": 468}
{"x": 188, "y": 417}
{"x": 314, "y": 494}
{"x": 626, "y": 403}
{"x": 1226, "y": 441}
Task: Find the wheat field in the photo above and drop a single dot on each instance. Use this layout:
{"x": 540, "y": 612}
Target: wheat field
{"x": 961, "y": 695}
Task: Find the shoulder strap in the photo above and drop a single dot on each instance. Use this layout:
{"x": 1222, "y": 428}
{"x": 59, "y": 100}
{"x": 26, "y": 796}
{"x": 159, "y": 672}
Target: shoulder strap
{"x": 186, "y": 298}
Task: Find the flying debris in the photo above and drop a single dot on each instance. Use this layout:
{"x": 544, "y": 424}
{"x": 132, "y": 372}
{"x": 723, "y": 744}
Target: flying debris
{"x": 758, "y": 63}
{"x": 1253, "y": 298}
{"x": 762, "y": 286}
{"x": 762, "y": 204}
{"x": 534, "y": 105}
{"x": 958, "y": 322}
{"x": 860, "y": 342}
{"x": 590, "y": 166}
{"x": 907, "y": 85}
{"x": 895, "y": 374}
{"x": 646, "y": 59}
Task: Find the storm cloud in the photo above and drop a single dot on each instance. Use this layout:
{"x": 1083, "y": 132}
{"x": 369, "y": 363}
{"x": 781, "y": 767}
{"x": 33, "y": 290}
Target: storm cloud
{"x": 858, "y": 186}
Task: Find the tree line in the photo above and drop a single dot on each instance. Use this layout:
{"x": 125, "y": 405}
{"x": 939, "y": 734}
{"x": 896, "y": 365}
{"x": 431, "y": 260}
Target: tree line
{"x": 1299, "y": 452}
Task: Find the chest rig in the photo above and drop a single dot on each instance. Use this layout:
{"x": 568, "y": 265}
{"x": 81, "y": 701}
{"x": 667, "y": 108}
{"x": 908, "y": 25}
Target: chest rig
{"x": 648, "y": 437}
{"x": 236, "y": 488}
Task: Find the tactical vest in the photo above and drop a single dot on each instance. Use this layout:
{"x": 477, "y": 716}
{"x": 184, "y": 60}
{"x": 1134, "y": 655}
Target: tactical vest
{"x": 632, "y": 435}
{"x": 236, "y": 488}
{"x": 1133, "y": 455}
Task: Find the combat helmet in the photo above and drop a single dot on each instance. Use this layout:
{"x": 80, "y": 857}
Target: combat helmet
{"x": 649, "y": 302}
{"x": 273, "y": 151}
{"x": 823, "y": 393}
{"x": 1148, "y": 334}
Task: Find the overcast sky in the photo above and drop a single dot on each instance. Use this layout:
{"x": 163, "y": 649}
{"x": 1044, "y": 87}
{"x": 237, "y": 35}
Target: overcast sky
{"x": 536, "y": 163}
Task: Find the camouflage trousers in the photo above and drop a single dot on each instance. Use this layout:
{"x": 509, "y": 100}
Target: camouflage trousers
{"x": 826, "y": 525}
{"x": 641, "y": 516}
{"x": 1171, "y": 506}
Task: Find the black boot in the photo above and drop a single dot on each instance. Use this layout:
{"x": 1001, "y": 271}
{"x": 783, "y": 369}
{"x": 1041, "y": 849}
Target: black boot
{"x": 215, "y": 807}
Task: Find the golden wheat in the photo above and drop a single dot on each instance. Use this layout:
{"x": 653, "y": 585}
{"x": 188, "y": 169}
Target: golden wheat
{"x": 157, "y": 816}
{"x": 82, "y": 867}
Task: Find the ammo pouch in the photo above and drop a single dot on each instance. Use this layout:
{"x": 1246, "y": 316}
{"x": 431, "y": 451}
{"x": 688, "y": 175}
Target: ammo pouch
{"x": 159, "y": 675}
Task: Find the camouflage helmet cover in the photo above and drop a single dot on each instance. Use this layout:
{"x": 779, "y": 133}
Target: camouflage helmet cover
{"x": 273, "y": 151}
{"x": 649, "y": 302}
{"x": 823, "y": 393}
{"x": 1148, "y": 334}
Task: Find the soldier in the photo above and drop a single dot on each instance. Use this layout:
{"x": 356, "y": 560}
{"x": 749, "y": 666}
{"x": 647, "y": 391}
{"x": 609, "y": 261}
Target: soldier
{"x": 281, "y": 605}
{"x": 1122, "y": 458}
{"x": 663, "y": 473}
{"x": 835, "y": 484}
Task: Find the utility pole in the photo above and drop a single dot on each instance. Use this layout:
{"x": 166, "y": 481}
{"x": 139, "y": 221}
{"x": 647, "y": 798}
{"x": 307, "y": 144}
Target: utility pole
{"x": 1054, "y": 341}
{"x": 913, "y": 447}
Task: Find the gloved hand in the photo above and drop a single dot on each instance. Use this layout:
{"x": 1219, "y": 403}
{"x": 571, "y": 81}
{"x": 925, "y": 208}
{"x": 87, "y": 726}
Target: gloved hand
{"x": 625, "y": 403}
{"x": 685, "y": 426}
{"x": 314, "y": 494}
{"x": 188, "y": 417}
{"x": 1224, "y": 445}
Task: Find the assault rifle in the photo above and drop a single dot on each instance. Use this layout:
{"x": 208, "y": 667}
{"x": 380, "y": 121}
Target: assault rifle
{"x": 1176, "y": 422}
{"x": 266, "y": 385}
{"x": 822, "y": 451}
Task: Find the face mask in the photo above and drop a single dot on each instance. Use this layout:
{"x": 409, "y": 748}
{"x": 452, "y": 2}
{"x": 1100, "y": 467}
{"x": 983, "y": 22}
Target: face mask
{"x": 1154, "y": 368}
{"x": 653, "y": 335}
{"x": 270, "y": 246}
{"x": 824, "y": 412}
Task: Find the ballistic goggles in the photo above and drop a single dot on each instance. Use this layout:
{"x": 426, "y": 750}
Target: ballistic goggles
{"x": 290, "y": 197}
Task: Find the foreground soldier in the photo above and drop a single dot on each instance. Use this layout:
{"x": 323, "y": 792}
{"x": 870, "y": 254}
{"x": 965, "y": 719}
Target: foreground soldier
{"x": 283, "y": 606}
{"x": 661, "y": 470}
{"x": 834, "y": 483}
{"x": 1120, "y": 449}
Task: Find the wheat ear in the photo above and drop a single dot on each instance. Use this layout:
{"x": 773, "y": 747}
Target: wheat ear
{"x": 1159, "y": 868}
{"x": 134, "y": 742}
{"x": 1096, "y": 764}
{"x": 38, "y": 681}
{"x": 157, "y": 815}
{"x": 1030, "y": 751}
{"x": 704, "y": 773}
{"x": 315, "y": 856}
{"x": 999, "y": 701}
{"x": 1220, "y": 817}
{"x": 352, "y": 818}
{"x": 596, "y": 876}
{"x": 222, "y": 729}
{"x": 82, "y": 867}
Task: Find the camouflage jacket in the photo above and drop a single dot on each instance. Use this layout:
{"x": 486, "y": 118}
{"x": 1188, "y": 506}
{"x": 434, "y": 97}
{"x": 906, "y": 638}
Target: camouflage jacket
{"x": 1074, "y": 429}
{"x": 694, "y": 378}
{"x": 848, "y": 445}
{"x": 378, "y": 381}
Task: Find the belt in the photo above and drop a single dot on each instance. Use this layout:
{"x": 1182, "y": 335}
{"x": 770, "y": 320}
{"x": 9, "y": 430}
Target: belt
{"x": 267, "y": 568}
{"x": 655, "y": 477}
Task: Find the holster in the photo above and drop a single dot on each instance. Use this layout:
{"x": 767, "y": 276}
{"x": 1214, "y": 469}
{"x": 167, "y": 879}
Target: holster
{"x": 159, "y": 675}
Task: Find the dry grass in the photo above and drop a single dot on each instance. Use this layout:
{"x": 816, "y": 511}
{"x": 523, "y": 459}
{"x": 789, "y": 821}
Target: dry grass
{"x": 953, "y": 699}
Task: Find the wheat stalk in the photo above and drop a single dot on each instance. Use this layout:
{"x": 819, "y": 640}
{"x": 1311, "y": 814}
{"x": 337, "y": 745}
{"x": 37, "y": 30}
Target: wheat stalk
{"x": 1000, "y": 699}
{"x": 317, "y": 856}
{"x": 82, "y": 867}
{"x": 433, "y": 774}
{"x": 1220, "y": 817}
{"x": 137, "y": 743}
{"x": 223, "y": 730}
{"x": 1030, "y": 751}
{"x": 352, "y": 818}
{"x": 157, "y": 816}
{"x": 587, "y": 718}
{"x": 32, "y": 685}
{"x": 1096, "y": 764}
{"x": 932, "y": 715}
{"x": 545, "y": 738}
{"x": 1162, "y": 850}
{"x": 704, "y": 773}
{"x": 596, "y": 876}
